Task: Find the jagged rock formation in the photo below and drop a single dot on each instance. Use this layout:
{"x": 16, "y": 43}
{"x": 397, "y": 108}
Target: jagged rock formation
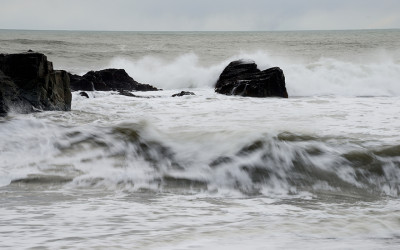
{"x": 29, "y": 83}
{"x": 107, "y": 80}
{"x": 245, "y": 79}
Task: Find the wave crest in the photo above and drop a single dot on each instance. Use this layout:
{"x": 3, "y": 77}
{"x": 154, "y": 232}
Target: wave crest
{"x": 130, "y": 157}
{"x": 325, "y": 76}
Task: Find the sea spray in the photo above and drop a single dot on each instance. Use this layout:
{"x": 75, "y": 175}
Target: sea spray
{"x": 182, "y": 72}
{"x": 324, "y": 76}
{"x": 209, "y": 171}
{"x": 143, "y": 156}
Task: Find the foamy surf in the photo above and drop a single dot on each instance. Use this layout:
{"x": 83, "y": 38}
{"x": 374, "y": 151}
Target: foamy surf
{"x": 208, "y": 171}
{"x": 321, "y": 77}
{"x": 175, "y": 147}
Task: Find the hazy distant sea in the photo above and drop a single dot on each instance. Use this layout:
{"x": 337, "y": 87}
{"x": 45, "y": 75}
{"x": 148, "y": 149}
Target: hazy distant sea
{"x": 320, "y": 170}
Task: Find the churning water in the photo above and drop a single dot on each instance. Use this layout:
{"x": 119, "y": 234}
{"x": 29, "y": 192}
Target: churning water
{"x": 318, "y": 170}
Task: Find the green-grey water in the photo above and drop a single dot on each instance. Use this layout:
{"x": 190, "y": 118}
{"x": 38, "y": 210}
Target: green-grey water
{"x": 318, "y": 170}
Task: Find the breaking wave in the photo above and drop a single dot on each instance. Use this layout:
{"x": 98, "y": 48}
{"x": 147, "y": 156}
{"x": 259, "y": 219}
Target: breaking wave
{"x": 130, "y": 157}
{"x": 375, "y": 76}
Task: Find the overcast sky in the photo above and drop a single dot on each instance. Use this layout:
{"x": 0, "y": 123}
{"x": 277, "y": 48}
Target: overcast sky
{"x": 199, "y": 15}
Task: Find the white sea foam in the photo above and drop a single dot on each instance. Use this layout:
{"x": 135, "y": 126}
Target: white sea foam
{"x": 183, "y": 72}
{"x": 209, "y": 171}
{"x": 325, "y": 76}
{"x": 200, "y": 142}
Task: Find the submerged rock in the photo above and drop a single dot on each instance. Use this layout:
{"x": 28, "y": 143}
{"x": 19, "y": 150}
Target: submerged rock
{"x": 128, "y": 93}
{"x": 107, "y": 80}
{"x": 28, "y": 82}
{"x": 84, "y": 94}
{"x": 245, "y": 79}
{"x": 182, "y": 93}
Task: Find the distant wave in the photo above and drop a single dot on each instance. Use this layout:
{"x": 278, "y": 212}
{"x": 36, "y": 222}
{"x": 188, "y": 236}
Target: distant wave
{"x": 40, "y": 42}
{"x": 49, "y": 43}
{"x": 325, "y": 76}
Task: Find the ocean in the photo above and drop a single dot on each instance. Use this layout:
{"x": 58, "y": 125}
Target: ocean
{"x": 319, "y": 170}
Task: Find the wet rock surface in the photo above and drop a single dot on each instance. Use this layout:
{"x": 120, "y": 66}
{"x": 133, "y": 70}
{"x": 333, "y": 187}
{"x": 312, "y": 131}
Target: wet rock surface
{"x": 183, "y": 93}
{"x": 107, "y": 80}
{"x": 245, "y": 79}
{"x": 28, "y": 83}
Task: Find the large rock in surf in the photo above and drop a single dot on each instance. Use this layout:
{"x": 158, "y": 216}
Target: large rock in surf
{"x": 28, "y": 83}
{"x": 245, "y": 79}
{"x": 106, "y": 80}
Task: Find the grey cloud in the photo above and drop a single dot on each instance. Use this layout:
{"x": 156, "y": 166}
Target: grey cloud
{"x": 199, "y": 15}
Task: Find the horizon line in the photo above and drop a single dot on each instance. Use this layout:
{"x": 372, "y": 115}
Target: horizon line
{"x": 283, "y": 30}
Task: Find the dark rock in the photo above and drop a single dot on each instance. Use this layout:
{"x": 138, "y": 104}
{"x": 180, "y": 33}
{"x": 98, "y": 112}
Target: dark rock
{"x": 10, "y": 97}
{"x": 128, "y": 93}
{"x": 74, "y": 78}
{"x": 236, "y": 69}
{"x": 8, "y": 94}
{"x": 245, "y": 79}
{"x": 107, "y": 80}
{"x": 84, "y": 94}
{"x": 28, "y": 82}
{"x": 3, "y": 105}
{"x": 80, "y": 83}
{"x": 182, "y": 93}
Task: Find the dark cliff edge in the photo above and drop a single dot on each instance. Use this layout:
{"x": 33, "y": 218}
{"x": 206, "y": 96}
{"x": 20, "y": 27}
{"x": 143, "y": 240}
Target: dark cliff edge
{"x": 29, "y": 83}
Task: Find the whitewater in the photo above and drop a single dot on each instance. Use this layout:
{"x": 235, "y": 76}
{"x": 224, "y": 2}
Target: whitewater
{"x": 320, "y": 169}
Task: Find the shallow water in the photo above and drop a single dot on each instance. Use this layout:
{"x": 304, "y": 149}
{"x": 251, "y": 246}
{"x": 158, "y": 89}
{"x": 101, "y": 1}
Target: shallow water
{"x": 170, "y": 221}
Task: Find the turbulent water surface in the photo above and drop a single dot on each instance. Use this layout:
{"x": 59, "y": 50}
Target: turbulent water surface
{"x": 319, "y": 170}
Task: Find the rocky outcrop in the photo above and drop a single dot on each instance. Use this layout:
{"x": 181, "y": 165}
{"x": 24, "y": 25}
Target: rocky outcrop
{"x": 28, "y": 82}
{"x": 107, "y": 80}
{"x": 183, "y": 93}
{"x": 245, "y": 79}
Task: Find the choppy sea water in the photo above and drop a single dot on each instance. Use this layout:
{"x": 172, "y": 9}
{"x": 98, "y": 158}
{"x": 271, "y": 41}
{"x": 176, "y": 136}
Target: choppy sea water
{"x": 318, "y": 170}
